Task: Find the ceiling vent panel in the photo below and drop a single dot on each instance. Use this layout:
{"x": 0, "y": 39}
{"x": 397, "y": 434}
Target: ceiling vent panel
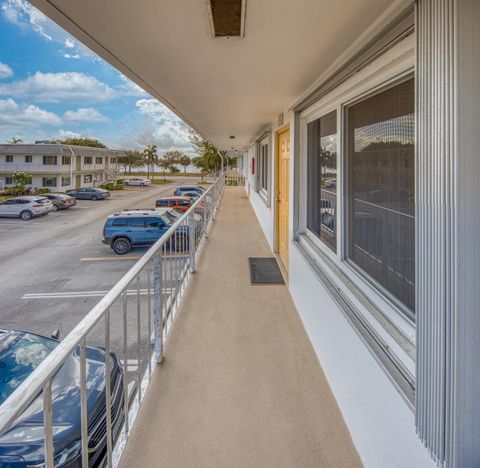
{"x": 227, "y": 18}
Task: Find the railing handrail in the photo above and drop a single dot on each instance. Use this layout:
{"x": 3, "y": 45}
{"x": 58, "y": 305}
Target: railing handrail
{"x": 28, "y": 390}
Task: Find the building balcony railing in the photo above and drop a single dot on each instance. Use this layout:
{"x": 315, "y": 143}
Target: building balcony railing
{"x": 30, "y": 167}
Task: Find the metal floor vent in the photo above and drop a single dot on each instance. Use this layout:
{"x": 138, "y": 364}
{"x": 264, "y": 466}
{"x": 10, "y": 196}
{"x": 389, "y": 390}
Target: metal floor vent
{"x": 265, "y": 271}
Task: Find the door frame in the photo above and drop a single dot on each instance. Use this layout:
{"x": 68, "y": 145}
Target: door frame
{"x": 280, "y": 130}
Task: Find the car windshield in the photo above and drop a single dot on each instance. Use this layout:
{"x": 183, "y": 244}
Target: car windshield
{"x": 19, "y": 355}
{"x": 169, "y": 217}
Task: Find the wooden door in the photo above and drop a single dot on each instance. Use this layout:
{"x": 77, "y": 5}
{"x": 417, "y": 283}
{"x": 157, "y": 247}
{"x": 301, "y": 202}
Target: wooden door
{"x": 283, "y": 195}
{"x": 78, "y": 181}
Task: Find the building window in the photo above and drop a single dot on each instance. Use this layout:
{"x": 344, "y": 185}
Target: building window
{"x": 66, "y": 160}
{"x": 28, "y": 159}
{"x": 263, "y": 166}
{"x": 8, "y": 181}
{"x": 87, "y": 160}
{"x": 49, "y": 160}
{"x": 87, "y": 178}
{"x": 49, "y": 182}
{"x": 322, "y": 178}
{"x": 65, "y": 181}
{"x": 113, "y": 160}
{"x": 9, "y": 159}
{"x": 380, "y": 189}
{"x": 98, "y": 160}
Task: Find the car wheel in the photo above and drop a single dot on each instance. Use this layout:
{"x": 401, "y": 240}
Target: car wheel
{"x": 126, "y": 184}
{"x": 142, "y": 184}
{"x": 55, "y": 208}
{"x": 93, "y": 198}
{"x": 26, "y": 215}
{"x": 121, "y": 246}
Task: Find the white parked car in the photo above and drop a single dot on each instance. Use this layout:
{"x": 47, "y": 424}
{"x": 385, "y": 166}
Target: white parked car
{"x": 26, "y": 207}
{"x": 141, "y": 181}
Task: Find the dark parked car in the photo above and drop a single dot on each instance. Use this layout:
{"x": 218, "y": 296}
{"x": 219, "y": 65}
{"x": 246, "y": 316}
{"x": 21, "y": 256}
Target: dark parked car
{"x": 60, "y": 201}
{"x": 23, "y": 444}
{"x": 89, "y": 193}
{"x": 127, "y": 229}
{"x": 181, "y": 189}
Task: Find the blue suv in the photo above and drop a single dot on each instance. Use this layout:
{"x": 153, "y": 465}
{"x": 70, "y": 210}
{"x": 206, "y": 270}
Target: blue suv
{"x": 181, "y": 189}
{"x": 128, "y": 229}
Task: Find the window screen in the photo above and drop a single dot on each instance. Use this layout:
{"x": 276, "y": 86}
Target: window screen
{"x": 380, "y": 195}
{"x": 322, "y": 178}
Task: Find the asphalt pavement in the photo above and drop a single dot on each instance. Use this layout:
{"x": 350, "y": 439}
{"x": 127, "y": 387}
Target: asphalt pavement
{"x": 54, "y": 269}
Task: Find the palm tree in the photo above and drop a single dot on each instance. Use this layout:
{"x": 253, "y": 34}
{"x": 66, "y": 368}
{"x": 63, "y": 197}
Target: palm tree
{"x": 14, "y": 140}
{"x": 151, "y": 158}
{"x": 185, "y": 162}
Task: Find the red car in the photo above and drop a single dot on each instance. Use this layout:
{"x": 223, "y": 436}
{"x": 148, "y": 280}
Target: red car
{"x": 180, "y": 203}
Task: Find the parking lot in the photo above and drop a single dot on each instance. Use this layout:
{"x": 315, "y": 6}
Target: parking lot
{"x": 54, "y": 268}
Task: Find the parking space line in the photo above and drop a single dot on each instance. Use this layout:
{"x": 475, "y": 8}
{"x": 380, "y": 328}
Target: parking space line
{"x": 101, "y": 259}
{"x": 83, "y": 294}
{"x": 126, "y": 257}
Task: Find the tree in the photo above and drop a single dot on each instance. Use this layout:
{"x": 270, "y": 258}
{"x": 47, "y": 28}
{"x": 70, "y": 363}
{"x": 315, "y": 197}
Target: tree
{"x": 174, "y": 170}
{"x": 131, "y": 159}
{"x": 185, "y": 162}
{"x": 20, "y": 179}
{"x": 83, "y": 141}
{"x": 209, "y": 158}
{"x": 151, "y": 158}
{"x": 14, "y": 140}
{"x": 165, "y": 164}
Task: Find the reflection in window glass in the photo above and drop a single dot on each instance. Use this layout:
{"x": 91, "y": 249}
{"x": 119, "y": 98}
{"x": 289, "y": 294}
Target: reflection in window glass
{"x": 322, "y": 178}
{"x": 380, "y": 161}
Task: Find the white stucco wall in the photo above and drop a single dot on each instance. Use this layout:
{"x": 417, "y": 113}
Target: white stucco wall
{"x": 380, "y": 422}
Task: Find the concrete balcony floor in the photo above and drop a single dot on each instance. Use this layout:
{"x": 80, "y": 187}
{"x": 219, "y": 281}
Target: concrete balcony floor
{"x": 241, "y": 385}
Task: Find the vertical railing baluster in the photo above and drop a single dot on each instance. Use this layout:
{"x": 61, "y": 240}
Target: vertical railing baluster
{"x": 149, "y": 326}
{"x": 158, "y": 305}
{"x": 108, "y": 392}
{"x": 191, "y": 241}
{"x": 48, "y": 423}
{"x": 125, "y": 361}
{"x": 83, "y": 403}
{"x": 139, "y": 345}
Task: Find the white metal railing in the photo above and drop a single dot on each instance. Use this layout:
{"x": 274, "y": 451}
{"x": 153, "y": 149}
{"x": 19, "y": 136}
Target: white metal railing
{"x": 159, "y": 277}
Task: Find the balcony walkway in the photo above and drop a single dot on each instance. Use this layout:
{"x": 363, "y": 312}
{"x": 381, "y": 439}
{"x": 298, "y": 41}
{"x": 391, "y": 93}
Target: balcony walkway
{"x": 241, "y": 385}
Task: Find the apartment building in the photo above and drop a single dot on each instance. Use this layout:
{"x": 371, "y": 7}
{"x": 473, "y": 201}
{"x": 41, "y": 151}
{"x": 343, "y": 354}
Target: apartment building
{"x": 56, "y": 166}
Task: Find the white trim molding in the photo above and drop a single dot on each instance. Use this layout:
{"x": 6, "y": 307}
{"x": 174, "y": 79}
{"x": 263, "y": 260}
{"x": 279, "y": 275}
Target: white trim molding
{"x": 448, "y": 223}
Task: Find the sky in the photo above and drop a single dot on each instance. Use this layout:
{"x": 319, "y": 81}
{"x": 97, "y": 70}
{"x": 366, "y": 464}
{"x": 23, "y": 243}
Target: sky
{"x": 53, "y": 87}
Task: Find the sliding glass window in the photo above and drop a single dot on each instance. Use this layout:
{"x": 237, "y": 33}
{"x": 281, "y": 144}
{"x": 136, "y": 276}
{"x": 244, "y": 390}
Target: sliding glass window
{"x": 322, "y": 178}
{"x": 380, "y": 189}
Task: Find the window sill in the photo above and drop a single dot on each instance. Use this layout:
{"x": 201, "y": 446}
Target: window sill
{"x": 386, "y": 333}
{"x": 264, "y": 196}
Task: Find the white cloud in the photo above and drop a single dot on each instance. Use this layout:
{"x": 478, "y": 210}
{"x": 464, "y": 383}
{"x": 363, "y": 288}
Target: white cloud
{"x": 161, "y": 127}
{"x": 69, "y": 44}
{"x": 70, "y": 56}
{"x": 85, "y": 114}
{"x": 64, "y": 134}
{"x": 5, "y": 71}
{"x": 27, "y": 17}
{"x": 59, "y": 87}
{"x": 129, "y": 88}
{"x": 13, "y": 114}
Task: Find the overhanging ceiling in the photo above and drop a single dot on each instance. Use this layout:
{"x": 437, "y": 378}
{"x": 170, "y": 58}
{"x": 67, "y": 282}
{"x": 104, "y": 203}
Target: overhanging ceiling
{"x": 222, "y": 87}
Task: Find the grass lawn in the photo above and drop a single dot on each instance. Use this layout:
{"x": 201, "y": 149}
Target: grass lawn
{"x": 161, "y": 181}
{"x": 5, "y": 197}
{"x": 205, "y": 183}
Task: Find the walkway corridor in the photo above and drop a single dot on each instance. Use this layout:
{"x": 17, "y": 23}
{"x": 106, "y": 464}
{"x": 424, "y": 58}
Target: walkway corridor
{"x": 241, "y": 385}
